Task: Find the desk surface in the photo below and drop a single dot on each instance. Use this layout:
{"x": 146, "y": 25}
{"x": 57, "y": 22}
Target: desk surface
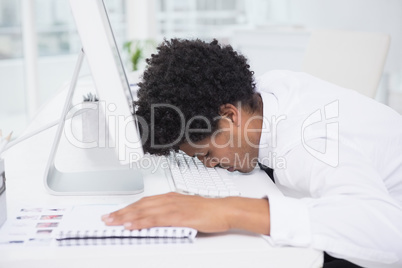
{"x": 25, "y": 167}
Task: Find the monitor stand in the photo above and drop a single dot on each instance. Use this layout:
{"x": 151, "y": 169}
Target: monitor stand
{"x": 95, "y": 182}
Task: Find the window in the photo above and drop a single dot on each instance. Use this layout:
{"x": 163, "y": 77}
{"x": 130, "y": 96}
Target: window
{"x": 10, "y": 29}
{"x": 203, "y": 19}
{"x": 57, "y": 44}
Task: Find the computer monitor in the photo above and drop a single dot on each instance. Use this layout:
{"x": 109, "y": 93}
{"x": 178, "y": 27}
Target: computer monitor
{"x": 103, "y": 57}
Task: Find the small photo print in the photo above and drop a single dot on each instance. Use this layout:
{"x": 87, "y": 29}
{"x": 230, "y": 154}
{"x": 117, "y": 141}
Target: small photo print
{"x": 44, "y": 232}
{"x": 47, "y": 224}
{"x": 54, "y": 209}
{"x": 31, "y": 210}
{"x": 51, "y": 217}
{"x": 27, "y": 217}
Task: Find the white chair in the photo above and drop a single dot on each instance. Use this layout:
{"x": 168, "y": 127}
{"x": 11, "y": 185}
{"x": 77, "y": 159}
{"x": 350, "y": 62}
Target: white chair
{"x": 353, "y": 60}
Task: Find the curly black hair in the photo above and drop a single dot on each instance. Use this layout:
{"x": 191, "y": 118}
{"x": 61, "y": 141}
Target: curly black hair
{"x": 184, "y": 85}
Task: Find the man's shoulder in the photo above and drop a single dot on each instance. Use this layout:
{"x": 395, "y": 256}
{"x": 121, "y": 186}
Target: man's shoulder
{"x": 278, "y": 82}
{"x": 280, "y": 76}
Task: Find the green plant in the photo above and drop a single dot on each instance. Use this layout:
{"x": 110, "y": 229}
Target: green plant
{"x": 137, "y": 50}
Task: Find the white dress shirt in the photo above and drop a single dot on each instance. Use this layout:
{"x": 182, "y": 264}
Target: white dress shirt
{"x": 337, "y": 157}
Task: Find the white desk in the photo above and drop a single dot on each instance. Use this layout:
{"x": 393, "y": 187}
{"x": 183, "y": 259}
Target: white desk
{"x": 25, "y": 166}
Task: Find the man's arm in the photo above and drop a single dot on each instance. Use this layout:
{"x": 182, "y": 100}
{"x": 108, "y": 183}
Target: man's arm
{"x": 350, "y": 214}
{"x": 203, "y": 214}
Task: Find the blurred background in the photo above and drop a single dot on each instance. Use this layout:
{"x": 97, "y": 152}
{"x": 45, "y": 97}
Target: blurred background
{"x": 39, "y": 44}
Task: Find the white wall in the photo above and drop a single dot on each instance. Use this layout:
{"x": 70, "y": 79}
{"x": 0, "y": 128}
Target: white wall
{"x": 356, "y": 15}
{"x": 360, "y": 15}
{"x": 53, "y": 73}
{"x": 299, "y": 17}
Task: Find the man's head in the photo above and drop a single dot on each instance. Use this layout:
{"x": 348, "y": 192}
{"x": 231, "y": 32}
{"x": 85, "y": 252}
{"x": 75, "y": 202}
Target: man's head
{"x": 195, "y": 95}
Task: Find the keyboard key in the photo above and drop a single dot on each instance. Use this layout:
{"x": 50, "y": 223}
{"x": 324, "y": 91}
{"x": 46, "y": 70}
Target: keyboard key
{"x": 192, "y": 177}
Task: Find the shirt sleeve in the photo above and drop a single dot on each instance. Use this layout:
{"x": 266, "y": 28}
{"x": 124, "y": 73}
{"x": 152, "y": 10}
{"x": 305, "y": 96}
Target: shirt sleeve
{"x": 347, "y": 213}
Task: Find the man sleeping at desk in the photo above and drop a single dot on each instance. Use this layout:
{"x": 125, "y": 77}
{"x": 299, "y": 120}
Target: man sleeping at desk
{"x": 340, "y": 152}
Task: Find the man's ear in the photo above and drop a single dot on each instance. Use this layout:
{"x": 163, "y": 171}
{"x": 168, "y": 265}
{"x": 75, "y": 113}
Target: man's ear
{"x": 230, "y": 112}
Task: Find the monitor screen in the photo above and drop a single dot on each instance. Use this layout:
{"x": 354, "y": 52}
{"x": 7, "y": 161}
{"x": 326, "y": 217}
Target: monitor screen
{"x": 102, "y": 55}
{"x": 110, "y": 79}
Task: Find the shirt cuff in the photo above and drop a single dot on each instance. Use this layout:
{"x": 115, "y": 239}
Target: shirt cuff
{"x": 290, "y": 222}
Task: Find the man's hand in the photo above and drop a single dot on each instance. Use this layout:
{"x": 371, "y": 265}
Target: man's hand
{"x": 204, "y": 214}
